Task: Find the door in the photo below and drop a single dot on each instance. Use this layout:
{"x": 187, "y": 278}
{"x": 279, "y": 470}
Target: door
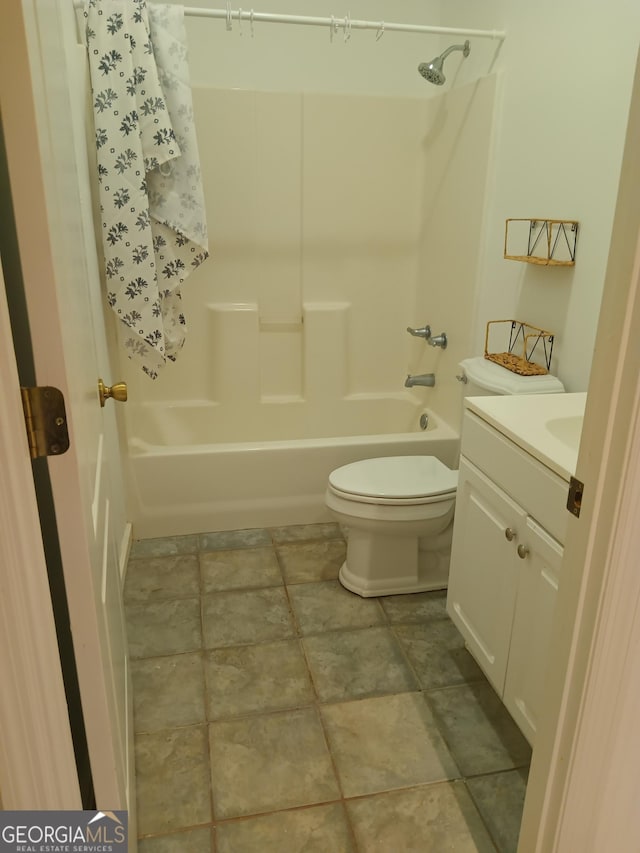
{"x": 483, "y": 578}
{"x": 43, "y": 110}
{"x": 529, "y": 653}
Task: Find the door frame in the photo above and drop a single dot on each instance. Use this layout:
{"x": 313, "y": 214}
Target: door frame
{"x": 582, "y": 791}
{"x": 37, "y": 761}
{"x": 35, "y": 38}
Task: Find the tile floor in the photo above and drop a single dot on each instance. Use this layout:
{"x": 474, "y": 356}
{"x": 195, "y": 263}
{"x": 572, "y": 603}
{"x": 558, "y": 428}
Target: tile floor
{"x": 276, "y": 712}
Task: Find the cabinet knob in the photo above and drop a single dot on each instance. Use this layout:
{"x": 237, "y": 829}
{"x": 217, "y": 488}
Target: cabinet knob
{"x": 523, "y": 551}
{"x": 510, "y": 534}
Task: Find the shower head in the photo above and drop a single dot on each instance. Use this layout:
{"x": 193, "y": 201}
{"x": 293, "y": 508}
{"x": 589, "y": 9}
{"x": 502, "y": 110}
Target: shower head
{"x": 432, "y": 71}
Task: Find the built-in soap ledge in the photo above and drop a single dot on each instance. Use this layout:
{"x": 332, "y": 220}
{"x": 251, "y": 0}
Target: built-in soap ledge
{"x": 286, "y": 326}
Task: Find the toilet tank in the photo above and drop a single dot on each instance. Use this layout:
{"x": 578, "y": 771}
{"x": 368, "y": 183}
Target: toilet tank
{"x": 486, "y": 378}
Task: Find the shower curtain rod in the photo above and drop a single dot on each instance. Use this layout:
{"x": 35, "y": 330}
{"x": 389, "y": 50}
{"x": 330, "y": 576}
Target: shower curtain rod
{"x": 347, "y": 23}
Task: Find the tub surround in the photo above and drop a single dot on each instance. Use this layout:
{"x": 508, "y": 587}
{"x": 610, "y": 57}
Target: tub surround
{"x": 321, "y": 256}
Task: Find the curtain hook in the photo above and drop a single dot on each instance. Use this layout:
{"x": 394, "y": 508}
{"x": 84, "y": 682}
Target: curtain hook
{"x": 229, "y": 23}
{"x": 380, "y": 32}
{"x": 251, "y": 22}
{"x": 347, "y": 26}
{"x": 332, "y": 28}
{"x": 240, "y": 20}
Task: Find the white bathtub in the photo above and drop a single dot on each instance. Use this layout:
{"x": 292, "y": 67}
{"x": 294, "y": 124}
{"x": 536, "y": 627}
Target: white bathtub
{"x": 181, "y": 483}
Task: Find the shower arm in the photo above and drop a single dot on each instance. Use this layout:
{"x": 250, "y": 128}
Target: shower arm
{"x": 463, "y": 47}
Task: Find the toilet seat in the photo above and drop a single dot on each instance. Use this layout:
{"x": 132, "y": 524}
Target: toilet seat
{"x": 394, "y": 481}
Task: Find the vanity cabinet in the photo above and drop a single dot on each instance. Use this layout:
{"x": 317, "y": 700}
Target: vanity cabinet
{"x": 505, "y": 561}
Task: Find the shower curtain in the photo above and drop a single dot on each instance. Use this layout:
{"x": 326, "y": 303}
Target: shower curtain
{"x": 151, "y": 201}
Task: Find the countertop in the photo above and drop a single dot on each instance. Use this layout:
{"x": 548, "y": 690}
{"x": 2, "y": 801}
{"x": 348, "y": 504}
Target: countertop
{"x": 548, "y": 426}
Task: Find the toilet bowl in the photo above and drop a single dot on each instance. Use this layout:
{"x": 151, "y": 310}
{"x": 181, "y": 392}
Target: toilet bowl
{"x": 399, "y": 509}
{"x": 399, "y": 514}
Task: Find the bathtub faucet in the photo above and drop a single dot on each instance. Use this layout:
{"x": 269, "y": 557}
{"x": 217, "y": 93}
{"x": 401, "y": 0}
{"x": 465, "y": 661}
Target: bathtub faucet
{"x": 427, "y": 379}
{"x": 438, "y": 340}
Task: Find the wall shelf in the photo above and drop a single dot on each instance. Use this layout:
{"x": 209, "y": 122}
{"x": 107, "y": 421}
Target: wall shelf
{"x": 548, "y": 242}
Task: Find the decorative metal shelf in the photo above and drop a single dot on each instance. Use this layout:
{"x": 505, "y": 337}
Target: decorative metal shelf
{"x": 529, "y": 349}
{"x": 549, "y": 242}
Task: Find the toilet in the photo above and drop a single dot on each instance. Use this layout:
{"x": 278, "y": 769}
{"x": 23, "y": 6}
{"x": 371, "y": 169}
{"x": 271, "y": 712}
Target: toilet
{"x": 399, "y": 509}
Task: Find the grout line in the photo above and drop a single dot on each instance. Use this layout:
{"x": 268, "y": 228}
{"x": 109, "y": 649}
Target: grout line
{"x": 315, "y": 703}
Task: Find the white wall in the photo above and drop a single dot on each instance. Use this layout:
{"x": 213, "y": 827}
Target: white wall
{"x": 568, "y": 68}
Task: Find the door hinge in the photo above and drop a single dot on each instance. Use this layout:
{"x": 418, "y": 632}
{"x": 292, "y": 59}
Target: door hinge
{"x": 574, "y": 498}
{"x": 46, "y": 421}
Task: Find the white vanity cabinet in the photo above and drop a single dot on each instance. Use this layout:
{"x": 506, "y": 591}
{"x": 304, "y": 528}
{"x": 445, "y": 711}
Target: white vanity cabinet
{"x": 509, "y": 525}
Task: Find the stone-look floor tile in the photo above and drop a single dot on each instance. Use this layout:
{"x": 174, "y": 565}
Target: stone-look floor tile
{"x": 268, "y": 677}
{"x": 241, "y": 568}
{"x": 163, "y": 627}
{"x": 437, "y": 653}
{"x": 164, "y": 547}
{"x": 500, "y": 800}
{"x": 172, "y": 780}
{"x": 303, "y": 562}
{"x": 298, "y": 532}
{"x": 157, "y": 578}
{"x": 255, "y": 616}
{"x": 385, "y": 743}
{"x": 429, "y": 819}
{"x": 355, "y": 664}
{"x": 328, "y": 606}
{"x": 416, "y": 607}
{"x": 479, "y": 729}
{"x": 320, "y": 829}
{"x": 224, "y": 540}
{"x": 192, "y": 841}
{"x": 168, "y": 692}
{"x": 270, "y": 762}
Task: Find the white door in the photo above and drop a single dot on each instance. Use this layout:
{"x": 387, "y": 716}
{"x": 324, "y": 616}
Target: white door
{"x": 532, "y": 623}
{"x": 483, "y": 578}
{"x": 43, "y": 110}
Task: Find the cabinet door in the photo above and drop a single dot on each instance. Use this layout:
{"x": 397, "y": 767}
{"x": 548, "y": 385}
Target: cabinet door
{"x": 483, "y": 577}
{"x": 525, "y": 683}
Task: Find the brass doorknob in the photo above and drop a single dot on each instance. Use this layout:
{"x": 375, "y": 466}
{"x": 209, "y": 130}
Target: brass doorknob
{"x": 118, "y": 391}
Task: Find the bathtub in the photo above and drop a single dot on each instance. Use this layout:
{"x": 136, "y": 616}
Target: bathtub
{"x": 264, "y": 469}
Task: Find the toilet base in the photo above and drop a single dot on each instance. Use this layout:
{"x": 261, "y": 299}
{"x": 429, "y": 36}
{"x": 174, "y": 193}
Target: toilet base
{"x": 383, "y": 565}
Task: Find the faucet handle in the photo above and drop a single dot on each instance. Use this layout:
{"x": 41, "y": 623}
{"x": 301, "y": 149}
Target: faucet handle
{"x": 438, "y": 340}
{"x": 424, "y": 332}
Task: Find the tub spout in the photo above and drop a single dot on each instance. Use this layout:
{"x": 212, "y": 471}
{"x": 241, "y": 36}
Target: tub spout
{"x": 427, "y": 379}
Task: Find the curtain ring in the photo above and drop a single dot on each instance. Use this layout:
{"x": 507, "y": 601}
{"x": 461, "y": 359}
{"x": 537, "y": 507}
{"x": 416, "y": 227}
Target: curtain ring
{"x": 251, "y": 22}
{"x": 380, "y": 32}
{"x": 332, "y": 29}
{"x": 240, "y": 20}
{"x": 229, "y": 23}
{"x": 347, "y": 26}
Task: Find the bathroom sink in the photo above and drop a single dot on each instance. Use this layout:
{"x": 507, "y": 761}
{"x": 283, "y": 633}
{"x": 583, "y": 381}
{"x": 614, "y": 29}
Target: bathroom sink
{"x": 548, "y": 426}
{"x": 567, "y": 430}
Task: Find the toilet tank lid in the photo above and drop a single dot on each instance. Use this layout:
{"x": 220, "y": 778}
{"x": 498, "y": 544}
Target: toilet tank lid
{"x": 492, "y": 377}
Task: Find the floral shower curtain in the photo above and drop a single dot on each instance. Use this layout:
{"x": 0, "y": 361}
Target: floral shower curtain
{"x": 154, "y": 229}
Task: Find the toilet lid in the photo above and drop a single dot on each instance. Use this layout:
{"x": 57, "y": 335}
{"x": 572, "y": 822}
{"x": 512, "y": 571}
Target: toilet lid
{"x": 395, "y": 477}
